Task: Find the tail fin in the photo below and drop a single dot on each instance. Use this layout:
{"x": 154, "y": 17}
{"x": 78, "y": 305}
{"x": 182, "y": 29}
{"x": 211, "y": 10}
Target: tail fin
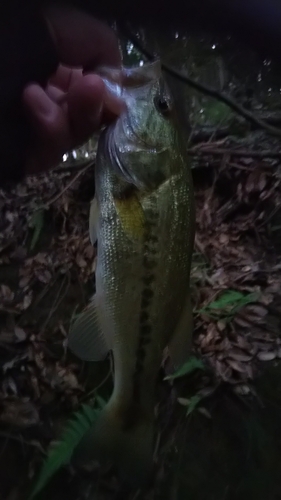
{"x": 130, "y": 448}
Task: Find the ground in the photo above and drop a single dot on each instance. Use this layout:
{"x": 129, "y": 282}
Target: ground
{"x": 47, "y": 269}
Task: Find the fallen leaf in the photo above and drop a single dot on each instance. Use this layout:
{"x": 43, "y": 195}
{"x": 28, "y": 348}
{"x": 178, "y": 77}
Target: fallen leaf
{"x": 20, "y": 334}
{"x": 205, "y": 412}
{"x": 266, "y": 356}
{"x": 18, "y": 413}
{"x": 238, "y": 355}
{"x": 242, "y": 390}
{"x": 235, "y": 365}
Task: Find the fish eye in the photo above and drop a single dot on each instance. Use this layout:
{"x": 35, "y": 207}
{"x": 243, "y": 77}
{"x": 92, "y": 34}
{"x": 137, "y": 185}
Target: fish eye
{"x": 162, "y": 105}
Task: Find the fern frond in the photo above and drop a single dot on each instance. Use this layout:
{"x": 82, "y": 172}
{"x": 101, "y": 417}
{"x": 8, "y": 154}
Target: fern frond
{"x": 60, "y": 452}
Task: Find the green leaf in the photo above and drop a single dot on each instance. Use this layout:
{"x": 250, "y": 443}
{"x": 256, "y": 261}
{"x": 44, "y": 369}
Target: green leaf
{"x": 37, "y": 223}
{"x": 193, "y": 402}
{"x": 230, "y": 297}
{"x": 100, "y": 401}
{"x": 190, "y": 366}
{"x": 228, "y": 303}
{"x": 60, "y": 452}
{"x": 247, "y": 299}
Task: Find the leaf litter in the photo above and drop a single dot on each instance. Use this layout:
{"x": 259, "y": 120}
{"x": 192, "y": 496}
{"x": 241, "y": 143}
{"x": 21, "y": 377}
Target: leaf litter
{"x": 47, "y": 267}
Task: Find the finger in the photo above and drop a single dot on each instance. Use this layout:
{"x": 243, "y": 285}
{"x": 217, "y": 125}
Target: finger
{"x": 88, "y": 103}
{"x": 65, "y": 76}
{"x": 50, "y": 125}
{"x": 55, "y": 93}
{"x": 82, "y": 40}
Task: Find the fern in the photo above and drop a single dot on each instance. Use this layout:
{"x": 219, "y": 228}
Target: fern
{"x": 190, "y": 366}
{"x": 60, "y": 453}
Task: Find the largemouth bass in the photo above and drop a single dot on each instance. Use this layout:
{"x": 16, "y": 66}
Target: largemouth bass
{"x": 143, "y": 220}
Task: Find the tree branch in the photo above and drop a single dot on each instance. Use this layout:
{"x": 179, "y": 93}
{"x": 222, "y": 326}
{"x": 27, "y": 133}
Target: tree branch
{"x": 221, "y": 96}
{"x": 205, "y": 149}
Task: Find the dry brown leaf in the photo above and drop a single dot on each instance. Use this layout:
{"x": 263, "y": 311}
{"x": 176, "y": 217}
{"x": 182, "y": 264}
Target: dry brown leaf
{"x": 80, "y": 261}
{"x": 238, "y": 355}
{"x": 89, "y": 252}
{"x": 266, "y": 355}
{"x": 18, "y": 412}
{"x": 6, "y": 294}
{"x": 235, "y": 365}
{"x": 24, "y": 281}
{"x": 20, "y": 334}
{"x": 241, "y": 321}
{"x": 204, "y": 412}
{"x": 27, "y": 301}
{"x": 43, "y": 275}
{"x": 242, "y": 343}
{"x": 242, "y": 390}
{"x": 223, "y": 370}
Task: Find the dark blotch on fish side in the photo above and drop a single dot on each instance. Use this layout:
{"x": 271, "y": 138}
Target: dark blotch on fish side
{"x": 149, "y": 263}
{"x": 149, "y": 249}
{"x": 139, "y": 364}
{"x": 153, "y": 251}
{"x": 151, "y": 216}
{"x": 148, "y": 293}
{"x": 150, "y": 238}
{"x": 144, "y": 341}
{"x": 150, "y": 223}
{"x": 158, "y": 177}
{"x": 124, "y": 191}
{"x": 141, "y": 354}
{"x": 143, "y": 317}
{"x": 148, "y": 280}
{"x": 144, "y": 303}
{"x": 133, "y": 413}
{"x": 145, "y": 330}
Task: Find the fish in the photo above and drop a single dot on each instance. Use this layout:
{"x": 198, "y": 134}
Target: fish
{"x": 143, "y": 221}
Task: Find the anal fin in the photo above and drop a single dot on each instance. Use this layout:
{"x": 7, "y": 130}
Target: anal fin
{"x": 86, "y": 339}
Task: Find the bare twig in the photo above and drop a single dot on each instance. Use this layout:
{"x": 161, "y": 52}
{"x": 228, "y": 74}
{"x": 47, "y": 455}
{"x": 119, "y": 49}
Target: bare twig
{"x": 57, "y": 196}
{"x": 58, "y": 299}
{"x": 77, "y": 166}
{"x": 208, "y": 149}
{"x": 21, "y": 440}
{"x": 221, "y": 96}
{"x": 93, "y": 391}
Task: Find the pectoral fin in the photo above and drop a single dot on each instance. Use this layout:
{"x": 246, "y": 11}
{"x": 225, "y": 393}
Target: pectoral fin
{"x": 180, "y": 344}
{"x": 86, "y": 339}
{"x": 93, "y": 220}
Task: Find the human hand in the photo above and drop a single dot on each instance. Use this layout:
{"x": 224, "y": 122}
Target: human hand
{"x": 73, "y": 105}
